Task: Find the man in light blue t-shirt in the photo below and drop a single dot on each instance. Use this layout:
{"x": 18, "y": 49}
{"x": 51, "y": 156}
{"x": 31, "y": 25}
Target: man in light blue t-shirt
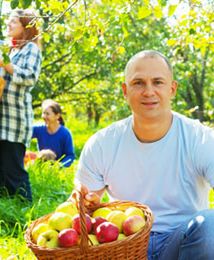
{"x": 159, "y": 158}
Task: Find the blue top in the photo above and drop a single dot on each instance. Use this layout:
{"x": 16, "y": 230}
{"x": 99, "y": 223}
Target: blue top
{"x": 60, "y": 142}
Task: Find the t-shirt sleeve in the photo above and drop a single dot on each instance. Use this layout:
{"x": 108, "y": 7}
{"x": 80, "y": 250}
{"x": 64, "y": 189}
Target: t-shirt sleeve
{"x": 90, "y": 169}
{"x": 204, "y": 154}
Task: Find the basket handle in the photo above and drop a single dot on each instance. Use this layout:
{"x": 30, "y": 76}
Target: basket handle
{"x": 84, "y": 239}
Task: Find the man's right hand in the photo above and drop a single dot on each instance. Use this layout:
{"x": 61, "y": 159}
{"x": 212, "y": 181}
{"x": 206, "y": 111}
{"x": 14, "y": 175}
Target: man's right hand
{"x": 91, "y": 198}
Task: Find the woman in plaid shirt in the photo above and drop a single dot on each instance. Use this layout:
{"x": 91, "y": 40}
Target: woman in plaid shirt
{"x": 16, "y": 113}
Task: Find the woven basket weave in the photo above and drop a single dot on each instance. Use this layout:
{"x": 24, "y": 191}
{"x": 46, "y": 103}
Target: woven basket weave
{"x": 134, "y": 247}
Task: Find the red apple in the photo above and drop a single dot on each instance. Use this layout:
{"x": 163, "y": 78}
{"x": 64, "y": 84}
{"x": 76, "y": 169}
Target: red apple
{"x": 77, "y": 226}
{"x": 133, "y": 224}
{"x": 96, "y": 222}
{"x": 107, "y": 232}
{"x": 68, "y": 237}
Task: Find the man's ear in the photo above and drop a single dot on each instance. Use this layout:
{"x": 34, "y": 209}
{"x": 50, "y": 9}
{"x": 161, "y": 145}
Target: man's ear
{"x": 124, "y": 89}
{"x": 174, "y": 87}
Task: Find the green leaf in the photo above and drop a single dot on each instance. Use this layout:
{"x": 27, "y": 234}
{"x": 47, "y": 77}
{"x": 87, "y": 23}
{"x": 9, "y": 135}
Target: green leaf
{"x": 171, "y": 9}
{"x": 146, "y": 2}
{"x": 38, "y": 4}
{"x": 6, "y": 58}
{"x": 46, "y": 37}
{"x": 78, "y": 34}
{"x": 192, "y": 31}
{"x": 120, "y": 50}
{"x": 25, "y": 3}
{"x": 14, "y": 4}
{"x": 172, "y": 42}
{"x": 143, "y": 12}
{"x": 158, "y": 12}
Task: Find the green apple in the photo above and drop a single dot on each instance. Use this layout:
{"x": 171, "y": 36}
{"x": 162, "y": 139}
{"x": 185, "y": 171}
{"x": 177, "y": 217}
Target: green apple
{"x": 121, "y": 236}
{"x": 48, "y": 239}
{"x": 93, "y": 240}
{"x": 117, "y": 217}
{"x": 67, "y": 207}
{"x": 38, "y": 229}
{"x": 101, "y": 212}
{"x": 132, "y": 211}
{"x": 60, "y": 221}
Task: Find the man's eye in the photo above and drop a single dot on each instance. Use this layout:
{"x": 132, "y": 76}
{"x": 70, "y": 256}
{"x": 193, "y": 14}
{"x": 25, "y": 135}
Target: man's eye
{"x": 137, "y": 83}
{"x": 158, "y": 82}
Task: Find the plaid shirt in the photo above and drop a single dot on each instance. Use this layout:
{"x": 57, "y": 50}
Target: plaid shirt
{"x": 16, "y": 113}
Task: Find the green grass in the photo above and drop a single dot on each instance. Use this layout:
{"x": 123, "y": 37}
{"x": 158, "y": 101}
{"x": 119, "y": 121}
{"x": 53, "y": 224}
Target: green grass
{"x": 51, "y": 185}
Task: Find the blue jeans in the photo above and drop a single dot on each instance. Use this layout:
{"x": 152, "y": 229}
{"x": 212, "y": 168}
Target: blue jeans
{"x": 192, "y": 240}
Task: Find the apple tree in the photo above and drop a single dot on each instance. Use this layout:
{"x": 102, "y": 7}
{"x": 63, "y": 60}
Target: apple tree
{"x": 191, "y": 45}
{"x": 86, "y": 45}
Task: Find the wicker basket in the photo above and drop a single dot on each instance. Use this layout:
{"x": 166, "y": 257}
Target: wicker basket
{"x": 134, "y": 247}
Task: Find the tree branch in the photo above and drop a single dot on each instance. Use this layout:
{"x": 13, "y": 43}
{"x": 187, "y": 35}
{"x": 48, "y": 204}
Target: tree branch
{"x": 81, "y": 79}
{"x": 56, "y": 61}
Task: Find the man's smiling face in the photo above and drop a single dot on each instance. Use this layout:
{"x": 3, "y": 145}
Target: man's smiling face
{"x": 149, "y": 87}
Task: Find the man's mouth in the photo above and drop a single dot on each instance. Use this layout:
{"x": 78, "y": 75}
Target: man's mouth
{"x": 149, "y": 103}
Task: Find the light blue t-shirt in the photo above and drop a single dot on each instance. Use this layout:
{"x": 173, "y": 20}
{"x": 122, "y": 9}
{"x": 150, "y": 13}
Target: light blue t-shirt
{"x": 172, "y": 176}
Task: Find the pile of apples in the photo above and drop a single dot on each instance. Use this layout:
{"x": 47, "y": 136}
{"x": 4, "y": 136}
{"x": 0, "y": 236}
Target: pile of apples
{"x": 63, "y": 228}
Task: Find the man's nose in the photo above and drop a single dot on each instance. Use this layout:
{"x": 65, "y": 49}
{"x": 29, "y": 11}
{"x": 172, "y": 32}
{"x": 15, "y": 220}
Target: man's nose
{"x": 148, "y": 89}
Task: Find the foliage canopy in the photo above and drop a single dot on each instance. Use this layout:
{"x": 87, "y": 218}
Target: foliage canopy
{"x": 86, "y": 45}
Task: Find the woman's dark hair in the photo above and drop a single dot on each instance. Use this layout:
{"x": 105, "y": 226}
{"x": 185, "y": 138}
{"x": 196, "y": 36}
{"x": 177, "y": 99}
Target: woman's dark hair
{"x": 29, "y": 21}
{"x": 55, "y": 108}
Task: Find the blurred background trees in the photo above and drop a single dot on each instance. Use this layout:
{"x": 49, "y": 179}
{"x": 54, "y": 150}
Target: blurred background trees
{"x": 86, "y": 45}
